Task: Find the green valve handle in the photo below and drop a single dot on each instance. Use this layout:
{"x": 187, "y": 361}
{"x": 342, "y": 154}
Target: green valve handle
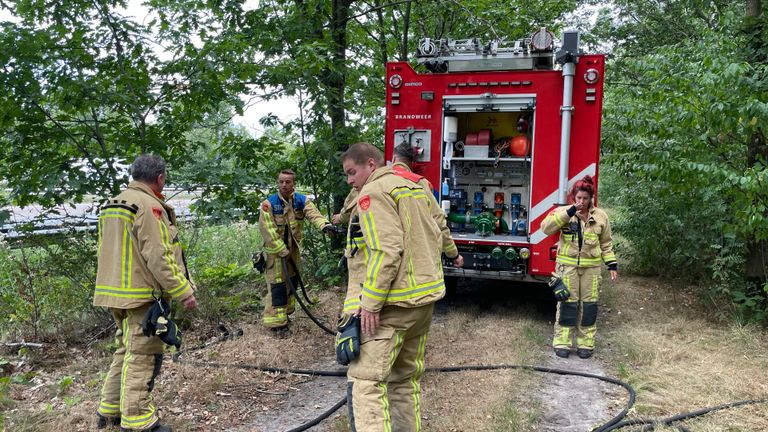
{"x": 511, "y": 254}
{"x": 496, "y": 253}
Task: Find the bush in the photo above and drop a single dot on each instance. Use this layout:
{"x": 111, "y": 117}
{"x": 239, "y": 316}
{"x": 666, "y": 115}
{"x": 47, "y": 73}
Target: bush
{"x": 46, "y": 287}
{"x": 219, "y": 258}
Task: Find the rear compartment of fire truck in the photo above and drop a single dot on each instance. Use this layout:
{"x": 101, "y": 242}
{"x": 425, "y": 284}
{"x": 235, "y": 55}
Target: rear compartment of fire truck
{"x": 486, "y": 181}
{"x": 489, "y": 144}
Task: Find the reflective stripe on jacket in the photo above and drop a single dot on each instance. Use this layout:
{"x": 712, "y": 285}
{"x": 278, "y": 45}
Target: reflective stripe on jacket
{"x": 277, "y": 213}
{"x": 596, "y": 240}
{"x": 402, "y": 244}
{"x": 139, "y": 251}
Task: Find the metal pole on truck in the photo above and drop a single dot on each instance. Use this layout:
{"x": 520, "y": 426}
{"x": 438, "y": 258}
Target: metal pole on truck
{"x": 567, "y": 56}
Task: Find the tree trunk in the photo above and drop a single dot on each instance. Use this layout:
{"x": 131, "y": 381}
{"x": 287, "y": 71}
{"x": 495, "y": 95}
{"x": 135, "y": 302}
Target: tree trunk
{"x": 406, "y": 24}
{"x": 336, "y": 83}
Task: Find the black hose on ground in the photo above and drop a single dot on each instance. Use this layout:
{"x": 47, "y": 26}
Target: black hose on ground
{"x": 321, "y": 417}
{"x": 343, "y": 372}
{"x": 652, "y": 423}
{"x": 292, "y": 289}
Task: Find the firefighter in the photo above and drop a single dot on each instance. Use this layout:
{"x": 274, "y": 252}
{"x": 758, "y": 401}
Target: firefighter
{"x": 395, "y": 277}
{"x": 139, "y": 259}
{"x": 281, "y": 223}
{"x": 402, "y": 163}
{"x": 585, "y": 244}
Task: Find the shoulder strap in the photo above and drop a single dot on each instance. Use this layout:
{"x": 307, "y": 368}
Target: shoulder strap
{"x": 407, "y": 174}
{"x": 299, "y": 201}
{"x": 277, "y": 204}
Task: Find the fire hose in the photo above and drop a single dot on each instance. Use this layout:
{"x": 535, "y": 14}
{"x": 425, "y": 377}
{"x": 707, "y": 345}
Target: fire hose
{"x": 614, "y": 423}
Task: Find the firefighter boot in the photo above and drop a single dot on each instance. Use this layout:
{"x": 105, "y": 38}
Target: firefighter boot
{"x": 584, "y": 353}
{"x": 562, "y": 352}
{"x": 102, "y": 422}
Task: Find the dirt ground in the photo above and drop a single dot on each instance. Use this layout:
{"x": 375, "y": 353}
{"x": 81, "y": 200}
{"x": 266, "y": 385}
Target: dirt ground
{"x": 651, "y": 335}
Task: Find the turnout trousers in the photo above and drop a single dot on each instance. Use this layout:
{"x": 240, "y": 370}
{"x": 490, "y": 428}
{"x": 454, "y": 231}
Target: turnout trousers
{"x": 279, "y": 302}
{"x": 131, "y": 377}
{"x": 578, "y": 314}
{"x": 384, "y": 390}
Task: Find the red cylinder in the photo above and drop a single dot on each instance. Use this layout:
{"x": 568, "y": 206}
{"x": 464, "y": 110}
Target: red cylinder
{"x": 471, "y": 139}
{"x": 520, "y": 146}
{"x": 484, "y": 137}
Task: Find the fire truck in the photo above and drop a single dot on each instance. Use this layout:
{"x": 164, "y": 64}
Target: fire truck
{"x": 502, "y": 130}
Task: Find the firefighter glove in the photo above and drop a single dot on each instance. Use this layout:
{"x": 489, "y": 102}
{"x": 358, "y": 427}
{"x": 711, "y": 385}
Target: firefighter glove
{"x": 157, "y": 322}
{"x": 347, "y": 339}
{"x": 259, "y": 262}
{"x": 571, "y": 211}
{"x": 330, "y": 229}
{"x": 559, "y": 289}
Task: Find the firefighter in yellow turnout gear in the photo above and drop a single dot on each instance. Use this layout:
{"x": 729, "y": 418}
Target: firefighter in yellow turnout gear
{"x": 281, "y": 223}
{"x": 139, "y": 255}
{"x": 395, "y": 277}
{"x": 585, "y": 244}
{"x": 404, "y": 155}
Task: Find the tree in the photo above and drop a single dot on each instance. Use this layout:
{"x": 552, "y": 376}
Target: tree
{"x": 680, "y": 114}
{"x": 86, "y": 89}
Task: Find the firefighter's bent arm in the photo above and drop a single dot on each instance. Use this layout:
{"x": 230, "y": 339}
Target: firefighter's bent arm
{"x": 557, "y": 219}
{"x": 158, "y": 248}
{"x": 273, "y": 243}
{"x": 383, "y": 235}
{"x": 315, "y": 217}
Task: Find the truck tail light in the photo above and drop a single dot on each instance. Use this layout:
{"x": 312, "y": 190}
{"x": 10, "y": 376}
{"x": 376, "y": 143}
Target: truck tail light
{"x": 395, "y": 81}
{"x": 553, "y": 253}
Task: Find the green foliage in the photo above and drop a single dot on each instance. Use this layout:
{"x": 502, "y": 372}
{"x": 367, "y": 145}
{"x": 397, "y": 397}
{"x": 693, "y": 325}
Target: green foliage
{"x": 71, "y": 401}
{"x": 85, "y": 91}
{"x": 6, "y": 402}
{"x": 683, "y": 110}
{"x": 65, "y": 383}
{"x": 219, "y": 257}
{"x": 23, "y": 378}
{"x": 319, "y": 261}
{"x": 46, "y": 288}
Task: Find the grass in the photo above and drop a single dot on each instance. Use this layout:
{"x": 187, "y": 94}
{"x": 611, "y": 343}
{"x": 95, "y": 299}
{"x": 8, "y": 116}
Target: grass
{"x": 513, "y": 418}
{"x": 681, "y": 361}
{"x": 650, "y": 334}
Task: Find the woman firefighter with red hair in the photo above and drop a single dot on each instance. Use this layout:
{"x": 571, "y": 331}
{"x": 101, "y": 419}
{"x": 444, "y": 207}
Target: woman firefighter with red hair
{"x": 585, "y": 244}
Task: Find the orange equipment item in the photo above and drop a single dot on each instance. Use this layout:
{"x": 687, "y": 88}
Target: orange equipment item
{"x": 520, "y": 146}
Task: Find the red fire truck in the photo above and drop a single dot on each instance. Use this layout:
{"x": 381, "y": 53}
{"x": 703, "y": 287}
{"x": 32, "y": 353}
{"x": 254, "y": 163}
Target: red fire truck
{"x": 502, "y": 130}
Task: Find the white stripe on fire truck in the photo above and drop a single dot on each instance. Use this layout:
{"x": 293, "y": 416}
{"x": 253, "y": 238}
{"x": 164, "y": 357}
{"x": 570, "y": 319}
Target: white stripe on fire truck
{"x": 546, "y": 204}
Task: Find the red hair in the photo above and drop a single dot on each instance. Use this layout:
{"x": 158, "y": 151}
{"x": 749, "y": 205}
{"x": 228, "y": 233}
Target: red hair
{"x": 586, "y": 184}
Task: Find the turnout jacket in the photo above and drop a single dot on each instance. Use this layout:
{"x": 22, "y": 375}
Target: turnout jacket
{"x": 397, "y": 261}
{"x": 581, "y": 244}
{"x": 350, "y": 202}
{"x": 139, "y": 251}
{"x": 449, "y": 247}
{"x": 277, "y": 214}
